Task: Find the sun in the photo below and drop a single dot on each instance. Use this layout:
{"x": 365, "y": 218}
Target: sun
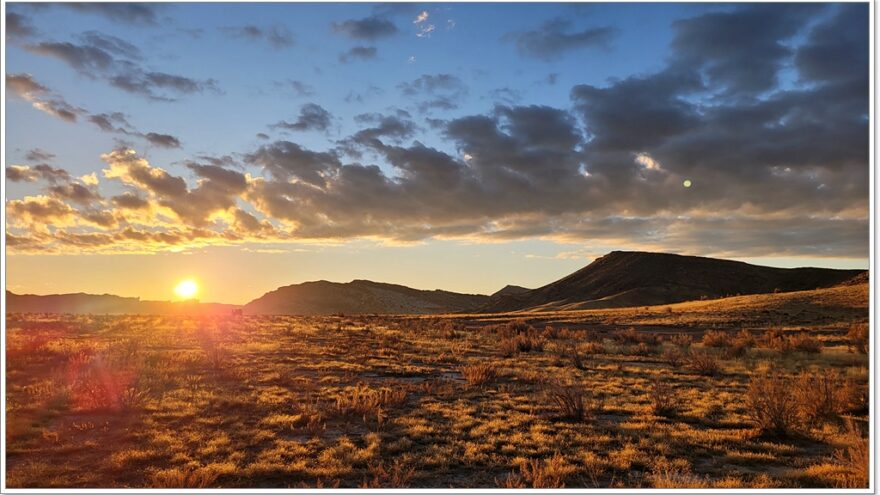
{"x": 186, "y": 289}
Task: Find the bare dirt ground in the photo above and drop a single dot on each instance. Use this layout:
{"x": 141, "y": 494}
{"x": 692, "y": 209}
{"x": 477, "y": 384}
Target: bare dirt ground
{"x": 756, "y": 391}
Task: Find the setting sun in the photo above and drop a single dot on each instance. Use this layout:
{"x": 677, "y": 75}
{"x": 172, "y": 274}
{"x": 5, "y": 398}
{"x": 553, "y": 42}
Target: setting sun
{"x": 186, "y": 289}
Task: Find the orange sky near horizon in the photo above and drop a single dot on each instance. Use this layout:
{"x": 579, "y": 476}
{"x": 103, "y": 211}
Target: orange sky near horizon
{"x": 235, "y": 276}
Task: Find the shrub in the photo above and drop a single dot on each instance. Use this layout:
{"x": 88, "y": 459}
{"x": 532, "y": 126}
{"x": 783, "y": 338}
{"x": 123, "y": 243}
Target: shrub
{"x": 858, "y": 337}
{"x": 801, "y": 342}
{"x": 551, "y": 332}
{"x": 527, "y": 342}
{"x": 633, "y": 336}
{"x": 805, "y": 343}
{"x": 770, "y": 404}
{"x": 682, "y": 340}
{"x": 478, "y": 375}
{"x": 816, "y": 394}
{"x": 714, "y": 338}
{"x": 855, "y": 456}
{"x": 703, "y": 363}
{"x": 593, "y": 348}
{"x": 673, "y": 357}
{"x": 744, "y": 339}
{"x": 572, "y": 401}
{"x": 664, "y": 401}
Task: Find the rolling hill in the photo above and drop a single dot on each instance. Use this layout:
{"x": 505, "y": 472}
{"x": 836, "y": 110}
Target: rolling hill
{"x": 81, "y": 303}
{"x": 360, "y": 297}
{"x": 621, "y": 279}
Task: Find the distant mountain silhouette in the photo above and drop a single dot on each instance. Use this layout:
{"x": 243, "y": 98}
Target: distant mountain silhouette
{"x": 360, "y": 297}
{"x": 622, "y": 278}
{"x": 618, "y": 279}
{"x": 81, "y": 303}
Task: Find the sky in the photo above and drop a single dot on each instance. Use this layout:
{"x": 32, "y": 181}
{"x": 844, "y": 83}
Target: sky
{"x": 455, "y": 146}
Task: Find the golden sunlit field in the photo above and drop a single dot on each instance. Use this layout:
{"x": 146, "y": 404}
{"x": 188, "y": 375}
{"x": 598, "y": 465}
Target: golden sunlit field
{"x": 756, "y": 391}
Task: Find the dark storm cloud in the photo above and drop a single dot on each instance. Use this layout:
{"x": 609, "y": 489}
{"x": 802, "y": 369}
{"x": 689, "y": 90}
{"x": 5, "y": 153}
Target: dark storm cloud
{"x": 359, "y": 53}
{"x": 435, "y": 91}
{"x": 556, "y": 37}
{"x": 741, "y": 50}
{"x": 18, "y": 26}
{"x": 312, "y": 117}
{"x": 369, "y": 28}
{"x": 277, "y": 37}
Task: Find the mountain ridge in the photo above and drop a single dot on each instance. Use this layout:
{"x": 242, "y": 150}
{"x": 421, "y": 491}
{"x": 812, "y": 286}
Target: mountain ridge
{"x": 639, "y": 278}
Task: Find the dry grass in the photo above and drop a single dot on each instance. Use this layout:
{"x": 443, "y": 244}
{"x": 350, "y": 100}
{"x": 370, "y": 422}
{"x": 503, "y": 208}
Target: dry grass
{"x": 479, "y": 375}
{"x": 625, "y": 399}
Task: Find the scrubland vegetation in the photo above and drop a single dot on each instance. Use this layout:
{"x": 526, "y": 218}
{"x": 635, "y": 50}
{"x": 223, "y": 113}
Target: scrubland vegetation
{"x": 690, "y": 395}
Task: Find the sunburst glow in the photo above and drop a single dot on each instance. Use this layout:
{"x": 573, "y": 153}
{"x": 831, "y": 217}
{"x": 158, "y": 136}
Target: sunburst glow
{"x": 186, "y": 289}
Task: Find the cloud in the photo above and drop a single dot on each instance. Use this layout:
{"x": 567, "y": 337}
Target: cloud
{"x": 362, "y": 96}
{"x": 782, "y": 171}
{"x": 312, "y": 117}
{"x": 369, "y": 28}
{"x": 837, "y": 49}
{"x": 24, "y": 86}
{"x": 437, "y": 91}
{"x": 298, "y": 88}
{"x": 142, "y": 14}
{"x": 397, "y": 126}
{"x": 506, "y": 95}
{"x": 117, "y": 122}
{"x": 118, "y": 62}
{"x": 554, "y": 38}
{"x": 425, "y": 30}
{"x": 740, "y": 50}
{"x": 38, "y": 211}
{"x": 277, "y": 37}
{"x": 130, "y": 201}
{"x": 75, "y": 192}
{"x": 358, "y": 53}
{"x": 39, "y": 155}
{"x": 285, "y": 161}
{"x": 162, "y": 140}
{"x": 18, "y": 26}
